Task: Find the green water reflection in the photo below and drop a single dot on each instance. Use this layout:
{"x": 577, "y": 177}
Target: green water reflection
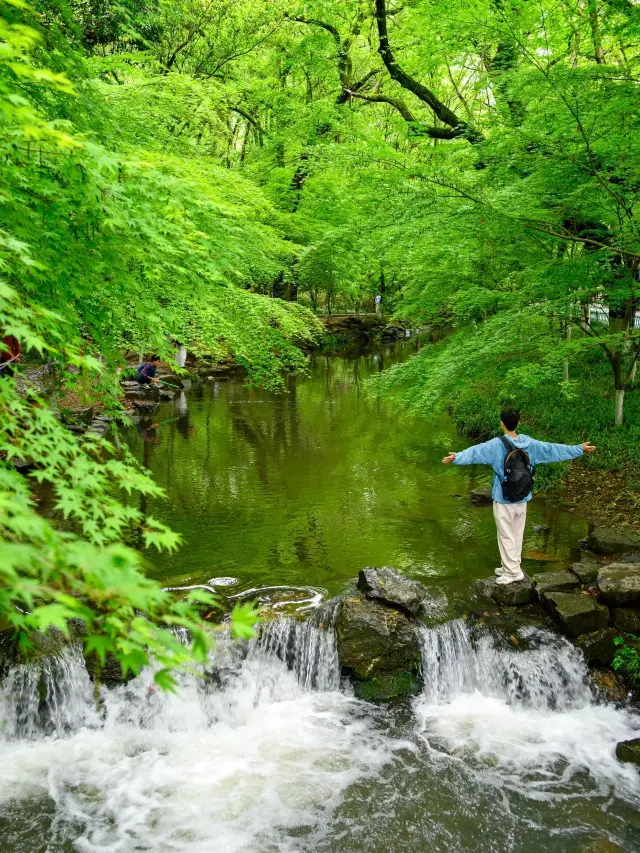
{"x": 306, "y": 487}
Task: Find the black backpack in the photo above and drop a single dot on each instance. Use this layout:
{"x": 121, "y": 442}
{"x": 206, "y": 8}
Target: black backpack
{"x": 518, "y": 473}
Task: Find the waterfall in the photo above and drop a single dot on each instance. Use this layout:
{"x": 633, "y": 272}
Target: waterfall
{"x": 547, "y": 673}
{"x": 53, "y": 695}
{"x": 245, "y": 757}
{"x": 307, "y": 647}
{"x": 525, "y": 717}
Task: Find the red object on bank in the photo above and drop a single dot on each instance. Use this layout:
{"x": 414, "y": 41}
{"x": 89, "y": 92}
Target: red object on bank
{"x": 10, "y": 349}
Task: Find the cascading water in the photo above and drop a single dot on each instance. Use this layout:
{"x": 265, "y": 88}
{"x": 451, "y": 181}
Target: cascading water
{"x": 51, "y": 696}
{"x": 527, "y": 716}
{"x": 263, "y": 754}
{"x": 549, "y": 673}
{"x": 308, "y": 647}
{"x": 243, "y": 758}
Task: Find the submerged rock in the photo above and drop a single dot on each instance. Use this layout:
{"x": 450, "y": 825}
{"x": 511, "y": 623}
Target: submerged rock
{"x": 555, "y": 582}
{"x": 392, "y": 588}
{"x": 377, "y": 644}
{"x": 626, "y": 619}
{"x": 606, "y": 540}
{"x": 598, "y": 646}
{"x": 629, "y": 750}
{"x": 601, "y": 845}
{"x": 388, "y": 687}
{"x": 506, "y": 595}
{"x": 481, "y": 497}
{"x": 576, "y": 614}
{"x": 619, "y": 583}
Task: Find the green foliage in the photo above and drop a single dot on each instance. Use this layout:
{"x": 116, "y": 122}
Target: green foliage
{"x": 627, "y": 658}
{"x": 167, "y": 168}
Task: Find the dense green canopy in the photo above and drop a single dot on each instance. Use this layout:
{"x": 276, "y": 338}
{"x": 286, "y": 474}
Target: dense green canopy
{"x": 168, "y": 167}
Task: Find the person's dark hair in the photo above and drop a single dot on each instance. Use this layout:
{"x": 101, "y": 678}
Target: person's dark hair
{"x": 155, "y": 357}
{"x": 510, "y": 418}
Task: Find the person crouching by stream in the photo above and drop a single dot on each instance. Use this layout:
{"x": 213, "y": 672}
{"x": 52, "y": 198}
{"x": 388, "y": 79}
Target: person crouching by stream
{"x": 146, "y": 373}
{"x": 513, "y": 458}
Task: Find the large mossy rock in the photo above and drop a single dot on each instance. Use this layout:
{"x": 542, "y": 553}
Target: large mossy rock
{"x": 575, "y": 613}
{"x": 506, "y": 595}
{"x": 626, "y": 619}
{"x": 619, "y": 583}
{"x": 606, "y": 540}
{"x": 555, "y": 582}
{"x": 629, "y": 750}
{"x": 378, "y": 645}
{"x": 392, "y": 588}
{"x": 598, "y": 646}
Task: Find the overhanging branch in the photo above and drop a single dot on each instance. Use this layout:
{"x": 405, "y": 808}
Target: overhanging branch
{"x": 441, "y": 110}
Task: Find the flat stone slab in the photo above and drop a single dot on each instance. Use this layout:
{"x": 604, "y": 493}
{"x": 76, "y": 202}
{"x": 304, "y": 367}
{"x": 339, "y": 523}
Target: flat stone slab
{"x": 586, "y": 572}
{"x": 555, "y": 582}
{"x": 506, "y": 595}
{"x": 392, "y": 588}
{"x": 481, "y": 497}
{"x": 609, "y": 541}
{"x": 629, "y": 750}
{"x": 598, "y": 646}
{"x": 626, "y": 619}
{"x": 575, "y": 613}
{"x": 619, "y": 583}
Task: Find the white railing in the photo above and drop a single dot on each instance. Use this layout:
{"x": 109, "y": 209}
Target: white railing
{"x": 600, "y": 314}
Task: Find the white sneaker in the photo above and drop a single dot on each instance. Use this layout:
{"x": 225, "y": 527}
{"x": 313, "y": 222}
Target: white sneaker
{"x": 499, "y": 571}
{"x": 505, "y": 579}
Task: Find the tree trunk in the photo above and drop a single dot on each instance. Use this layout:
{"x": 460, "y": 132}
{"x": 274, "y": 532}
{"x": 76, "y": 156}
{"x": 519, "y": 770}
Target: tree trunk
{"x": 598, "y": 52}
{"x": 619, "y": 405}
{"x": 565, "y": 366}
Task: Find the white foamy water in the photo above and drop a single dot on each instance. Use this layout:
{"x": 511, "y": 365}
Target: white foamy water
{"x": 528, "y": 717}
{"x": 264, "y": 754}
{"x": 242, "y": 761}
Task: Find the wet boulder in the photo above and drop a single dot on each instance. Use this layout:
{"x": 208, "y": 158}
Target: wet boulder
{"x": 481, "y": 497}
{"x": 555, "y": 582}
{"x": 608, "y": 541}
{"x": 629, "y": 751}
{"x": 145, "y": 407}
{"x": 626, "y": 619}
{"x": 506, "y": 595}
{"x": 619, "y": 583}
{"x": 598, "y": 646}
{"x": 576, "y": 613}
{"x": 609, "y": 684}
{"x": 378, "y": 647}
{"x": 392, "y": 588}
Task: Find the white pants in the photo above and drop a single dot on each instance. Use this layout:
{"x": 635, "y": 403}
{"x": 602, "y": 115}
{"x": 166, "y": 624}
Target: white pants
{"x": 510, "y": 521}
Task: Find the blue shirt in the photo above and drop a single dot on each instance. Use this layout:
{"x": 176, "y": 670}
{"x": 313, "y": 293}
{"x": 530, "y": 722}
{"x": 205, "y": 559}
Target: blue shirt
{"x": 494, "y": 453}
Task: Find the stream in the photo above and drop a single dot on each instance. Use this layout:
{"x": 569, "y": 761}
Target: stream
{"x": 284, "y": 497}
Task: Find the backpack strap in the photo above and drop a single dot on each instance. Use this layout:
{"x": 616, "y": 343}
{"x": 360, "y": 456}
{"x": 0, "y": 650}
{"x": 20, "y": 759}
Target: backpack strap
{"x": 507, "y": 444}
